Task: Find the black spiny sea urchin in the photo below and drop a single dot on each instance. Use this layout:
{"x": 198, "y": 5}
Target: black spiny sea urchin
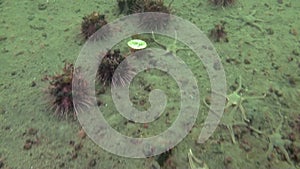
{"x": 108, "y": 66}
{"x": 222, "y": 3}
{"x": 62, "y": 92}
{"x": 91, "y": 23}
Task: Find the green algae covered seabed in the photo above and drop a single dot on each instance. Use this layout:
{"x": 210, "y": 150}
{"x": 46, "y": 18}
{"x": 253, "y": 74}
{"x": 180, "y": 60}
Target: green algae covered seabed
{"x": 36, "y": 36}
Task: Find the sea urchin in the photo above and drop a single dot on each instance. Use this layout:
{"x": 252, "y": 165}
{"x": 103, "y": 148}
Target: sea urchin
{"x": 157, "y": 16}
{"x": 63, "y": 93}
{"x": 222, "y": 3}
{"x": 92, "y": 23}
{"x": 108, "y": 66}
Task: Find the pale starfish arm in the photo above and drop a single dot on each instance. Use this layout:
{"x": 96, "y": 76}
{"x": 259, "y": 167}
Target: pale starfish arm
{"x": 270, "y": 149}
{"x": 196, "y": 163}
{"x": 286, "y": 155}
{"x": 229, "y": 127}
{"x": 255, "y": 97}
{"x": 158, "y": 43}
{"x": 243, "y": 113}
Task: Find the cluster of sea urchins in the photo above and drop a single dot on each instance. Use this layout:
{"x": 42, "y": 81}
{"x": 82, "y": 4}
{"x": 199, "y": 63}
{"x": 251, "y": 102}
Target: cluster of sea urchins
{"x": 91, "y": 23}
{"x": 64, "y": 93}
{"x": 114, "y": 69}
{"x": 222, "y": 3}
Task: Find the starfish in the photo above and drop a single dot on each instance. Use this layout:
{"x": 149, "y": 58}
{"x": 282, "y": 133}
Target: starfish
{"x": 276, "y": 141}
{"x": 250, "y": 20}
{"x": 170, "y": 49}
{"x": 235, "y": 101}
